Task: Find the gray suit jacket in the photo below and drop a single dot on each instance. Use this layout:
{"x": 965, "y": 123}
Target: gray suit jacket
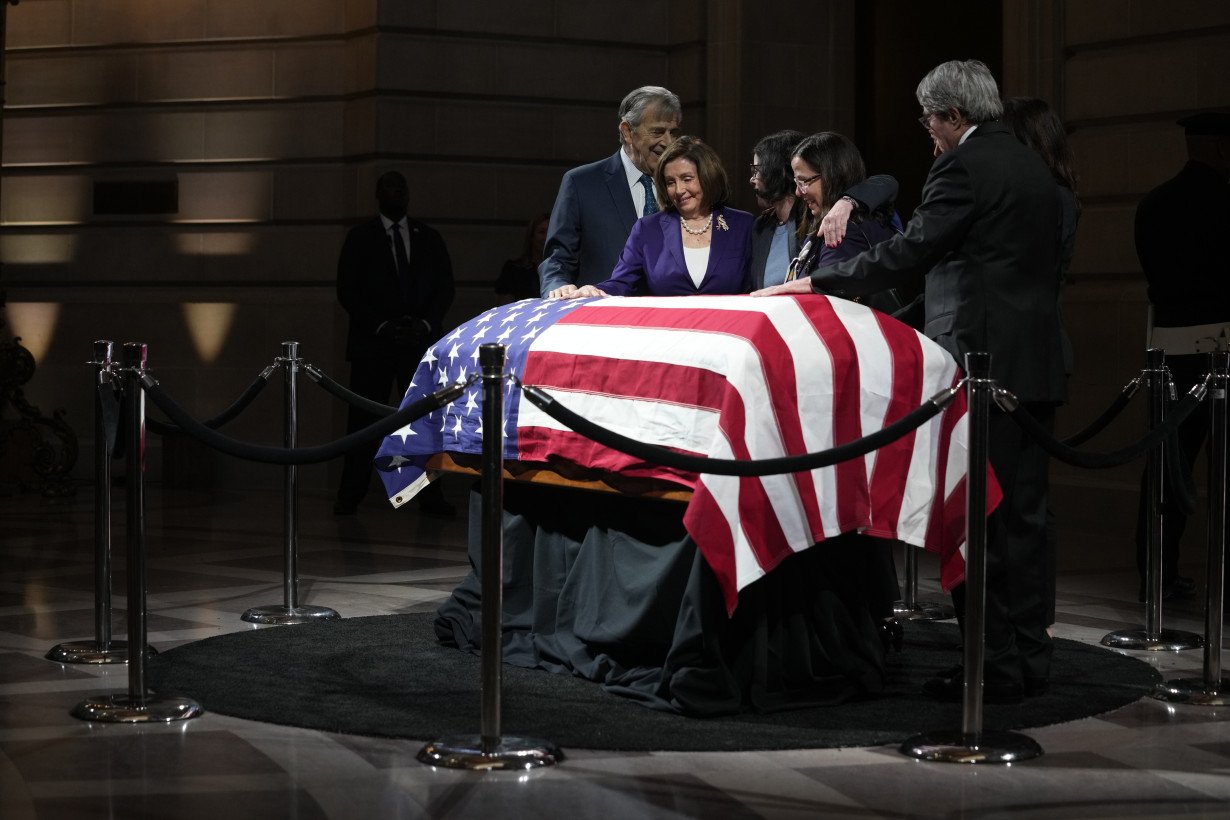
{"x": 985, "y": 235}
{"x": 590, "y": 223}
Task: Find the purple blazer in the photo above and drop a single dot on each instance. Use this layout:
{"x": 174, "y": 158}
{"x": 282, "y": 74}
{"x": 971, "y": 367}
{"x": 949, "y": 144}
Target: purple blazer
{"x": 651, "y": 263}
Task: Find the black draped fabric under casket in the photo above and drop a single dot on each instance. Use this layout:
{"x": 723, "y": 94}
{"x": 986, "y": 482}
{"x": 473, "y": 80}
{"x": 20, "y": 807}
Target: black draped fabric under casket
{"x": 611, "y": 588}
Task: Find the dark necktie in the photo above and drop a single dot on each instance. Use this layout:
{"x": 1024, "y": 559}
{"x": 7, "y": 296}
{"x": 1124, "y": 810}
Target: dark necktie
{"x": 403, "y": 261}
{"x": 651, "y": 204}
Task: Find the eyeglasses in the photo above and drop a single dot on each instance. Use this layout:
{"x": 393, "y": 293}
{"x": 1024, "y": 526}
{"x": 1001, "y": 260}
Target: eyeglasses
{"x": 925, "y": 120}
{"x": 754, "y": 169}
{"x": 804, "y": 182}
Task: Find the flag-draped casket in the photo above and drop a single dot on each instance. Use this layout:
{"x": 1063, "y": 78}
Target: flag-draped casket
{"x": 727, "y": 377}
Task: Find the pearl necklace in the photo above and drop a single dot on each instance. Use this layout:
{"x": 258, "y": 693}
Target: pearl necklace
{"x": 694, "y": 231}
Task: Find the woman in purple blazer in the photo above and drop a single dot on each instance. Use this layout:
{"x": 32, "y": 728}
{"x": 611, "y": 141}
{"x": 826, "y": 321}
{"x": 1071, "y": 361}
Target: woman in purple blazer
{"x": 694, "y": 245}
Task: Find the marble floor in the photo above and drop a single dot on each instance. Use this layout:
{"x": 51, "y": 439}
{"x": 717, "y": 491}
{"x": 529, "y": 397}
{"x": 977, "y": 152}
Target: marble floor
{"x": 214, "y": 555}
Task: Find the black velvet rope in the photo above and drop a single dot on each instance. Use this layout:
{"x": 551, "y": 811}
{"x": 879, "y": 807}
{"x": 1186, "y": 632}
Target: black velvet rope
{"x": 1096, "y": 461}
{"x": 737, "y": 467}
{"x": 333, "y": 387}
{"x": 297, "y": 455}
{"x": 1108, "y": 415}
{"x": 238, "y": 406}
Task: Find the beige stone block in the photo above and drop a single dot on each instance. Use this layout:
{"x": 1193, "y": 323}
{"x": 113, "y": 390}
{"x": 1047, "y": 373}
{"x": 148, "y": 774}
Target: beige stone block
{"x": 138, "y": 21}
{"x": 521, "y": 17}
{"x": 408, "y": 125}
{"x": 107, "y": 136}
{"x": 206, "y": 74}
{"x": 1145, "y": 78}
{"x": 1091, "y": 21}
{"x": 482, "y": 129}
{"x": 360, "y": 13}
{"x": 359, "y": 126}
{"x": 37, "y": 199}
{"x": 274, "y": 18}
{"x": 310, "y": 192}
{"x": 323, "y": 68}
{"x": 412, "y": 62}
{"x": 1213, "y": 63}
{"x": 636, "y": 21}
{"x": 46, "y": 23}
{"x": 70, "y": 79}
{"x": 33, "y": 140}
{"x": 216, "y": 196}
{"x": 1130, "y": 159}
{"x": 522, "y": 192}
{"x": 1177, "y": 15}
{"x": 280, "y": 132}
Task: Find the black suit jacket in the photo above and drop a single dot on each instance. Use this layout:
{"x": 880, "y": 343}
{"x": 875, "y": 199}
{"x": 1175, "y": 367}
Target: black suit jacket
{"x": 985, "y": 236}
{"x": 369, "y": 290}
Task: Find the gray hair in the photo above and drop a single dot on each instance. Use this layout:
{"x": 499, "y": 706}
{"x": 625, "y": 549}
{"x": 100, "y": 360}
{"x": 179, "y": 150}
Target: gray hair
{"x": 966, "y": 85}
{"x": 632, "y": 109}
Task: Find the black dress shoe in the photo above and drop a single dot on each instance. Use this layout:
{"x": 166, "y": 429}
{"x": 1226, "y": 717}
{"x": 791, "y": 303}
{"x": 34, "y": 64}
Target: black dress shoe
{"x": 892, "y": 635}
{"x": 949, "y": 685}
{"x": 1176, "y": 589}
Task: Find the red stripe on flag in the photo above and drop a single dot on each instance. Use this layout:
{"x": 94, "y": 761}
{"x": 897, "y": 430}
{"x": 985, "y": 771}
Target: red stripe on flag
{"x": 764, "y": 339}
{"x": 892, "y": 464}
{"x": 852, "y": 503}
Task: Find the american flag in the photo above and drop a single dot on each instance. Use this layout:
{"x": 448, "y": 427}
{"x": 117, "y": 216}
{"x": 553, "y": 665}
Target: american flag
{"x": 726, "y": 377}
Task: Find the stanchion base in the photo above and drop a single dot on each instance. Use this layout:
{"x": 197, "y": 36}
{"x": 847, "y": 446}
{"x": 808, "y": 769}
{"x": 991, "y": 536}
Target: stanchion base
{"x": 282, "y": 615}
{"x": 985, "y": 747}
{"x": 1193, "y": 691}
{"x": 123, "y": 708}
{"x": 923, "y": 611}
{"x": 93, "y": 652}
{"x": 466, "y": 752}
{"x": 1167, "y": 640}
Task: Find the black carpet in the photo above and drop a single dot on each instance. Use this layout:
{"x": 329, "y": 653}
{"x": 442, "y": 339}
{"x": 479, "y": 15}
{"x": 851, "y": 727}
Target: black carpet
{"x": 386, "y": 676}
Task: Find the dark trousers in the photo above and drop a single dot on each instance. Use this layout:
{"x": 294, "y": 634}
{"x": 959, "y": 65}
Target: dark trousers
{"x": 372, "y": 379}
{"x": 1185, "y": 371}
{"x": 1017, "y": 646}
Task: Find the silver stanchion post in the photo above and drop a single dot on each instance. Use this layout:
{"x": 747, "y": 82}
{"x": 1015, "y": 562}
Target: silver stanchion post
{"x": 1213, "y": 689}
{"x": 910, "y": 607}
{"x": 102, "y": 649}
{"x": 972, "y": 744}
{"x": 290, "y": 612}
{"x": 1153, "y": 637}
{"x": 490, "y": 750}
{"x": 137, "y": 706}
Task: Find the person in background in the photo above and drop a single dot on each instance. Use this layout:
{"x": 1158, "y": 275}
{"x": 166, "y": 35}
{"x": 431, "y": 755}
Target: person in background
{"x": 1039, "y": 127}
{"x": 597, "y": 203}
{"x": 395, "y": 281}
{"x": 519, "y": 277}
{"x": 1181, "y": 244}
{"x": 694, "y": 245}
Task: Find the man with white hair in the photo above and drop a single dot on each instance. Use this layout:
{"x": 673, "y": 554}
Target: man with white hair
{"x": 985, "y": 237}
{"x": 598, "y": 203}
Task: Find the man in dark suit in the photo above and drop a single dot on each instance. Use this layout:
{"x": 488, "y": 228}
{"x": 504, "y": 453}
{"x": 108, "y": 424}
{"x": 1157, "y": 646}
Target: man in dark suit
{"x": 395, "y": 280}
{"x": 985, "y": 237}
{"x": 1181, "y": 244}
{"x": 597, "y": 203}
